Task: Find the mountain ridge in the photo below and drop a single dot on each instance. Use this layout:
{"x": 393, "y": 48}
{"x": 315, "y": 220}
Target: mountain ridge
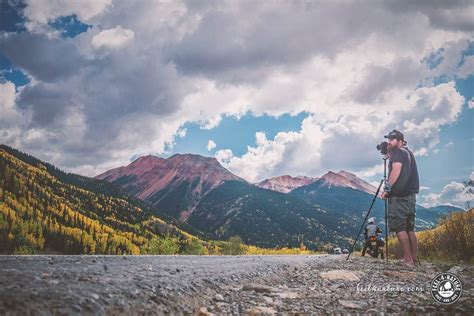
{"x": 287, "y": 183}
{"x": 341, "y": 192}
{"x": 284, "y": 183}
{"x": 262, "y": 217}
{"x": 160, "y": 180}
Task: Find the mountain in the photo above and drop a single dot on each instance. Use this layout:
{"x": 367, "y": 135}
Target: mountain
{"x": 346, "y": 180}
{"x": 204, "y": 195}
{"x": 357, "y": 183}
{"x": 335, "y": 192}
{"x": 201, "y": 193}
{"x": 175, "y": 185}
{"x": 45, "y": 209}
{"x": 284, "y": 183}
{"x": 445, "y": 209}
{"x": 427, "y": 218}
{"x": 344, "y": 194}
{"x": 268, "y": 218}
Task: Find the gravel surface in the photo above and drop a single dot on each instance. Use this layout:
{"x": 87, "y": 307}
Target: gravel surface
{"x": 290, "y": 284}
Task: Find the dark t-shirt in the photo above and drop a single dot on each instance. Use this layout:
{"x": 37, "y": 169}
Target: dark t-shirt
{"x": 408, "y": 181}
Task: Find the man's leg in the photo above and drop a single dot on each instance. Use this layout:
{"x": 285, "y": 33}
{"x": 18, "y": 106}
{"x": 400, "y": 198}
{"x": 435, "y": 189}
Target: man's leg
{"x": 397, "y": 223}
{"x": 411, "y": 227}
{"x": 413, "y": 245}
{"x": 405, "y": 244}
{"x": 364, "y": 249}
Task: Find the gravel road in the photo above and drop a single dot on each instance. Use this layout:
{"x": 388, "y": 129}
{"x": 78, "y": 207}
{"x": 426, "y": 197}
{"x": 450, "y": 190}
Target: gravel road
{"x": 290, "y": 284}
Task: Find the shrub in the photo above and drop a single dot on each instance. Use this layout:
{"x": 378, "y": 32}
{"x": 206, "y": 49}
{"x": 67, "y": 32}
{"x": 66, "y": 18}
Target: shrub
{"x": 452, "y": 240}
{"x": 192, "y": 247}
{"x": 162, "y": 246}
{"x": 234, "y": 246}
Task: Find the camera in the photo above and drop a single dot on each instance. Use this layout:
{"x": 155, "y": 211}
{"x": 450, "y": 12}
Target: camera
{"x": 383, "y": 148}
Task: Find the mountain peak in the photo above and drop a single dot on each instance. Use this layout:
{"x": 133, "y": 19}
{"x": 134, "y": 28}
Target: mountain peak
{"x": 181, "y": 176}
{"x": 147, "y": 159}
{"x": 345, "y": 173}
{"x": 285, "y": 183}
{"x": 347, "y": 179}
{"x": 333, "y": 178}
{"x": 188, "y": 157}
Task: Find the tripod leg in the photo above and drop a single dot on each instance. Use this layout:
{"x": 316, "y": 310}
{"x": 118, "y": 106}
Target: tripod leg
{"x": 386, "y": 231}
{"x": 366, "y": 216}
{"x": 385, "y": 204}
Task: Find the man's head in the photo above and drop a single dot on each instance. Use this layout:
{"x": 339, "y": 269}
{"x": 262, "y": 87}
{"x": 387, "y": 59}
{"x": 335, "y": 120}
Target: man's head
{"x": 371, "y": 220}
{"x": 395, "y": 139}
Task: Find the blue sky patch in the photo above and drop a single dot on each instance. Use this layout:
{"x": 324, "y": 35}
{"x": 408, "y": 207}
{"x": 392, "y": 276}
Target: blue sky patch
{"x": 434, "y": 59}
{"x": 9, "y": 73}
{"x": 11, "y": 17}
{"x": 235, "y": 134}
{"x": 69, "y": 26}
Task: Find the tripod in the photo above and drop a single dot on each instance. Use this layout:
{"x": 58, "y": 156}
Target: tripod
{"x": 370, "y": 208}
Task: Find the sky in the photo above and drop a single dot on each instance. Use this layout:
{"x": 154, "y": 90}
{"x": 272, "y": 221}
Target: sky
{"x": 266, "y": 87}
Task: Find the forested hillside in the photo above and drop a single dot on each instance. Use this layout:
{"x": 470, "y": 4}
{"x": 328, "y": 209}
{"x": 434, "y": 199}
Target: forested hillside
{"x": 45, "y": 209}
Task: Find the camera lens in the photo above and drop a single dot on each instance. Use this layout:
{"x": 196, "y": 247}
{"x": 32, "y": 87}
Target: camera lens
{"x": 383, "y": 148}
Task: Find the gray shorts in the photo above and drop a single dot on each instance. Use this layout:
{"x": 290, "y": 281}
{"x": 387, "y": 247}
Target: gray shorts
{"x": 401, "y": 213}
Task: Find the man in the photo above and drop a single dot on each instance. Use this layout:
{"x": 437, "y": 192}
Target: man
{"x": 401, "y": 190}
{"x": 371, "y": 230}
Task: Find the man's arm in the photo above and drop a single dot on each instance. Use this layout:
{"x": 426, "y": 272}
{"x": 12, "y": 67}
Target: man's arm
{"x": 393, "y": 177}
{"x": 395, "y": 173}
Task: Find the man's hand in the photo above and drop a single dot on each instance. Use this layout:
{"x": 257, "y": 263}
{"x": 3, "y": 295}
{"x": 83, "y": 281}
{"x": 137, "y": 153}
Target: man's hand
{"x": 384, "y": 195}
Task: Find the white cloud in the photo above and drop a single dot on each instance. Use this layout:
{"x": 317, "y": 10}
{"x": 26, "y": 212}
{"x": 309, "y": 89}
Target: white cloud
{"x": 449, "y": 144}
{"x": 467, "y": 68}
{"x": 200, "y": 104}
{"x": 43, "y": 11}
{"x": 12, "y": 121}
{"x": 372, "y": 171}
{"x": 112, "y": 38}
{"x": 471, "y": 104}
{"x": 7, "y": 102}
{"x": 454, "y": 193}
{"x": 199, "y": 62}
{"x": 295, "y": 152}
{"x": 429, "y": 108}
{"x": 451, "y": 56}
{"x": 211, "y": 145}
{"x": 328, "y": 140}
{"x": 224, "y": 156}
